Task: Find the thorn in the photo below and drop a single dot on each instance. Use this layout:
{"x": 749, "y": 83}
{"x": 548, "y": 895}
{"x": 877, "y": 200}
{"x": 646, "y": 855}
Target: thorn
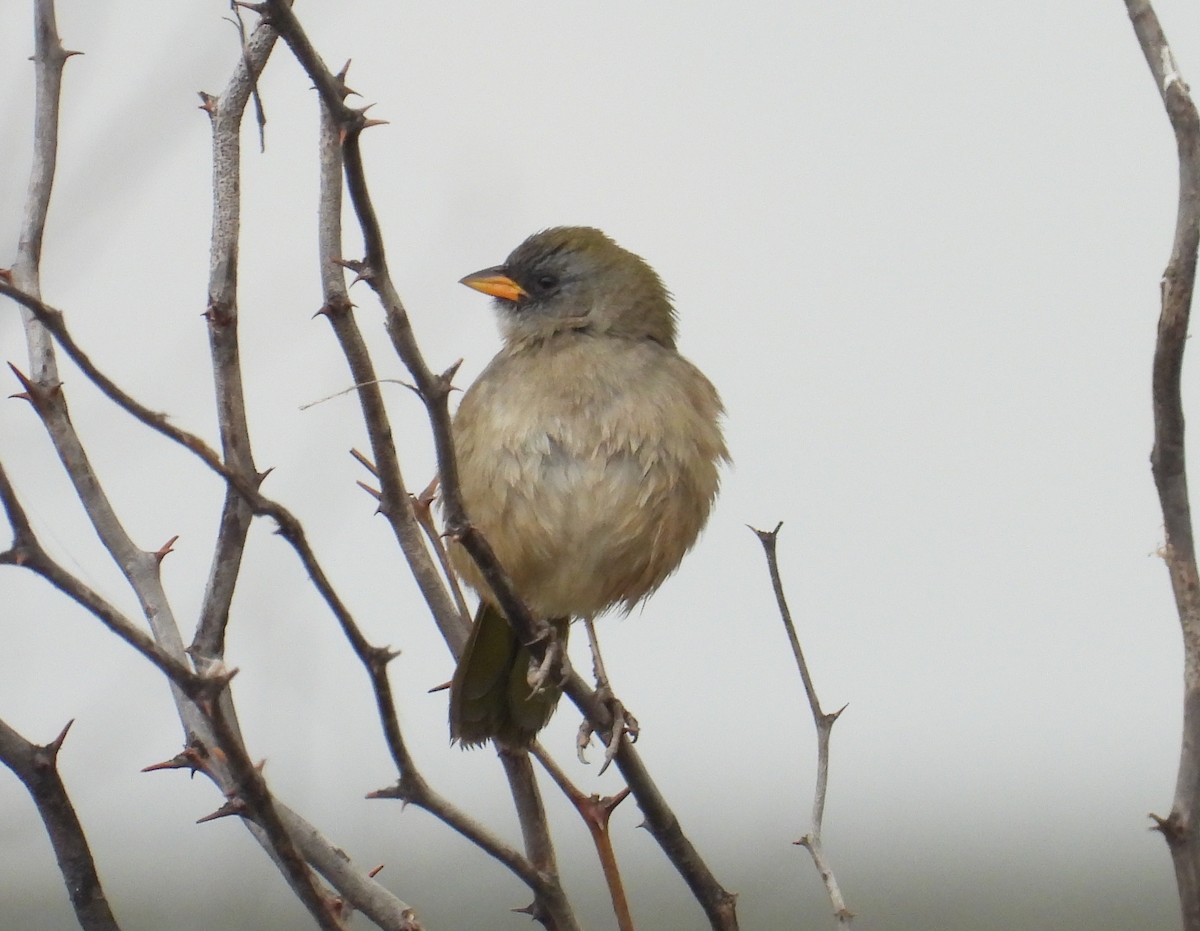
{"x": 262, "y": 476}
{"x": 527, "y": 910}
{"x": 369, "y": 123}
{"x": 168, "y": 547}
{"x": 381, "y": 656}
{"x": 6, "y": 274}
{"x": 365, "y": 462}
{"x": 765, "y": 536}
{"x": 235, "y": 806}
{"x": 390, "y": 792}
{"x": 56, "y": 744}
{"x": 837, "y": 714}
{"x": 440, "y": 688}
{"x": 379, "y": 869}
{"x": 218, "y": 315}
{"x": 208, "y": 103}
{"x": 28, "y": 393}
{"x": 179, "y": 761}
{"x": 614, "y": 800}
{"x": 19, "y": 555}
{"x": 70, "y": 53}
{"x": 448, "y": 375}
{"x": 373, "y": 492}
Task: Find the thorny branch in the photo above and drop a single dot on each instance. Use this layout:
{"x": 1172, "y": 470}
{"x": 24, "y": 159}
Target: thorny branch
{"x": 539, "y": 873}
{"x": 207, "y": 712}
{"x": 434, "y": 389}
{"x": 824, "y": 722}
{"x": 37, "y": 768}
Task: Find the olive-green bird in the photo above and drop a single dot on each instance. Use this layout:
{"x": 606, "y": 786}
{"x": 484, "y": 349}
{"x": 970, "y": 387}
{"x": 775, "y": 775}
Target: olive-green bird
{"x": 588, "y": 454}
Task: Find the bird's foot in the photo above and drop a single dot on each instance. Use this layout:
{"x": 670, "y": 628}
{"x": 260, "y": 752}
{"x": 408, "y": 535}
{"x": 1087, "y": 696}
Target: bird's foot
{"x": 551, "y": 672}
{"x": 624, "y": 724}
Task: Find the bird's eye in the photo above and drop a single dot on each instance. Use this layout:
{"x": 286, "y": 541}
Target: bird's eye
{"x": 547, "y": 282}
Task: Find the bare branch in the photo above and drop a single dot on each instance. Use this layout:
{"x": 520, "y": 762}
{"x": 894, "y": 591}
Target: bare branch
{"x": 824, "y": 722}
{"x": 550, "y": 906}
{"x": 141, "y": 568}
{"x": 49, "y": 57}
{"x": 225, "y": 114}
{"x": 394, "y": 502}
{"x": 28, "y": 553}
{"x": 1168, "y": 459}
{"x": 289, "y": 525}
{"x": 37, "y": 768}
{"x": 596, "y": 813}
{"x": 260, "y": 806}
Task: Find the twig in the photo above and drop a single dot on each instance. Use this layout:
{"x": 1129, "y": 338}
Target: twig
{"x": 596, "y": 813}
{"x": 1167, "y": 459}
{"x": 824, "y": 723}
{"x": 354, "y": 388}
{"x": 221, "y": 315}
{"x": 550, "y": 905}
{"x": 37, "y": 768}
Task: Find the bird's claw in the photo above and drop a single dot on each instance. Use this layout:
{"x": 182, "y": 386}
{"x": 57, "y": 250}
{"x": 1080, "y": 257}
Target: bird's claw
{"x": 550, "y": 672}
{"x": 624, "y": 724}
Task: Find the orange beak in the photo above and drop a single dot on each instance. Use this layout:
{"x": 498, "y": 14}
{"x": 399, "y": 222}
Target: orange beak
{"x": 493, "y": 281}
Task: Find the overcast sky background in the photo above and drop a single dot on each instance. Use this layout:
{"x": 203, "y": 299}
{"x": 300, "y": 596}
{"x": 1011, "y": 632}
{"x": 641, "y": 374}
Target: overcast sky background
{"x": 916, "y": 246}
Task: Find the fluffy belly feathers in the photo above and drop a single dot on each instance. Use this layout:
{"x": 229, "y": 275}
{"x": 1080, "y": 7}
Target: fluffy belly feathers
{"x": 587, "y": 503}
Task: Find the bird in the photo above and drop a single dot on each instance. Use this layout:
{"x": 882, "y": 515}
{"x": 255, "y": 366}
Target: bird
{"x": 589, "y": 455}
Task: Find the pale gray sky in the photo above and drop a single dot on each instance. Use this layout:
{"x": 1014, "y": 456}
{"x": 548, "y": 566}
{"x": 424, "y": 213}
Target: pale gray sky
{"x": 916, "y": 246}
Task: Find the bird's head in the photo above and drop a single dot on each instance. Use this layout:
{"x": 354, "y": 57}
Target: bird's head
{"x": 576, "y": 278}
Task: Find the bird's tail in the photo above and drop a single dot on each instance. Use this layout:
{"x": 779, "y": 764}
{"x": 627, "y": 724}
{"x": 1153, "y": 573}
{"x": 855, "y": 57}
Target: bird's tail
{"x": 490, "y": 693}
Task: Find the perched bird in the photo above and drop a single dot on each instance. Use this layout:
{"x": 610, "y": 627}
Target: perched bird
{"x": 588, "y": 454}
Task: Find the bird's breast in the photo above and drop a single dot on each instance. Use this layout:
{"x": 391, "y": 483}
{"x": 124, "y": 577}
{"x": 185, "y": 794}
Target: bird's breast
{"x": 590, "y": 470}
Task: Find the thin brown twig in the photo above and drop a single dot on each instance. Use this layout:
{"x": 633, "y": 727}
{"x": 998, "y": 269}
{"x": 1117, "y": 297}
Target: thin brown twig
{"x": 596, "y": 813}
{"x": 1167, "y": 459}
{"x": 824, "y": 722}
